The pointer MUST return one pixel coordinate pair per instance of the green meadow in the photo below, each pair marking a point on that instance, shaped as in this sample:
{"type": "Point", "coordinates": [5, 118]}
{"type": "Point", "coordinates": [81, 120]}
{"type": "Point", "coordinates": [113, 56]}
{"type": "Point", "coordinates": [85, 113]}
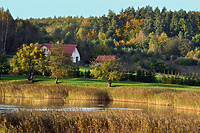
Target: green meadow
{"type": "Point", "coordinates": [94, 83]}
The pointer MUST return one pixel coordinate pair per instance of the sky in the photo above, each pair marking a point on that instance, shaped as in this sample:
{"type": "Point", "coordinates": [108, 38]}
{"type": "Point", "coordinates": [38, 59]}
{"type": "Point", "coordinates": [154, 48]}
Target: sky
{"type": "Point", "coordinates": [86, 8]}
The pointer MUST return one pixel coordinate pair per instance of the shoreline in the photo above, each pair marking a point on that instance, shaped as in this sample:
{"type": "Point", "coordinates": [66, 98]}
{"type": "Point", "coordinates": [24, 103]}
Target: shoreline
{"type": "Point", "coordinates": [152, 96]}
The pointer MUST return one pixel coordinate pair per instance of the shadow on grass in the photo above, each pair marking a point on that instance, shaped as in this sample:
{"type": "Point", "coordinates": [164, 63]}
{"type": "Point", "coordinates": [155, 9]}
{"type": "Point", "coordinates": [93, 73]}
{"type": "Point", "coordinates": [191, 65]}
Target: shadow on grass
{"type": "Point", "coordinates": [8, 77]}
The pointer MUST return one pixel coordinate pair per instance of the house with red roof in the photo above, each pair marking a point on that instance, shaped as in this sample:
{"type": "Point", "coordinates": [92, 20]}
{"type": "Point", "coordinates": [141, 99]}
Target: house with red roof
{"type": "Point", "coordinates": [71, 49]}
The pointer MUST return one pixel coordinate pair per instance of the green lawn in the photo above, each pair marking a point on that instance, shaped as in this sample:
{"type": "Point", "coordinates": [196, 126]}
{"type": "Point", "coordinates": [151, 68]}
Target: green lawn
{"type": "Point", "coordinates": [93, 83]}
{"type": "Point", "coordinates": [83, 69]}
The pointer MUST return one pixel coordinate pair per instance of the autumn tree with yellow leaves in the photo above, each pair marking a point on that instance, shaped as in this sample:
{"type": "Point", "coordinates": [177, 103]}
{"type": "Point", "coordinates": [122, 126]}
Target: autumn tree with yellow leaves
{"type": "Point", "coordinates": [28, 61]}
{"type": "Point", "coordinates": [107, 70]}
{"type": "Point", "coordinates": [60, 62]}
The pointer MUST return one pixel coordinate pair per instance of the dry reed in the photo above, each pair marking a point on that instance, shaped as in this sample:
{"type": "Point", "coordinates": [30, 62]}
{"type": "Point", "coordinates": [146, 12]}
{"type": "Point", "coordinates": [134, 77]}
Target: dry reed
{"type": "Point", "coordinates": [98, 121]}
{"type": "Point", "coordinates": [158, 96]}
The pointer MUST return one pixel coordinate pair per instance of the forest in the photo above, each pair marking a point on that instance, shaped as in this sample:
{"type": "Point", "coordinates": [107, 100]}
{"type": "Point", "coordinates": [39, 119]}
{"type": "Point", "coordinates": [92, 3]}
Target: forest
{"type": "Point", "coordinates": [146, 37]}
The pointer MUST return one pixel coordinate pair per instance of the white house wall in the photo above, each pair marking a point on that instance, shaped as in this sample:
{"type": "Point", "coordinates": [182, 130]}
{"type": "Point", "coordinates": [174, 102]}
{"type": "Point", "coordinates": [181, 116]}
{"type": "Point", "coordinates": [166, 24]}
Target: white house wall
{"type": "Point", "coordinates": [75, 54]}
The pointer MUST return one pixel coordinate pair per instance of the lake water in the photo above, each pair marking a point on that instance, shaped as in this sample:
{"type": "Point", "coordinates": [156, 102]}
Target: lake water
{"type": "Point", "coordinates": [85, 105]}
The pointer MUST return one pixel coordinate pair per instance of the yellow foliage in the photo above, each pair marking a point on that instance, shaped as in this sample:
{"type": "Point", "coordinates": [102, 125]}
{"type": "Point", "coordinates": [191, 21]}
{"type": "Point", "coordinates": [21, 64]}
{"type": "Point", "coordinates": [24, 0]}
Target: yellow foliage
{"type": "Point", "coordinates": [123, 42]}
{"type": "Point", "coordinates": [162, 38]}
{"type": "Point", "coordinates": [194, 54]}
{"type": "Point", "coordinates": [118, 32]}
{"type": "Point", "coordinates": [108, 70]}
{"type": "Point", "coordinates": [27, 61]}
{"type": "Point", "coordinates": [102, 36]}
{"type": "Point", "coordinates": [116, 44]}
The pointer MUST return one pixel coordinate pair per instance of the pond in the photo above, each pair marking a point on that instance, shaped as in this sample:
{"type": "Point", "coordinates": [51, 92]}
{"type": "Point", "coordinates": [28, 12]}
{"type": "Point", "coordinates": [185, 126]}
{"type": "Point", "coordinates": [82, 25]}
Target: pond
{"type": "Point", "coordinates": [12, 104]}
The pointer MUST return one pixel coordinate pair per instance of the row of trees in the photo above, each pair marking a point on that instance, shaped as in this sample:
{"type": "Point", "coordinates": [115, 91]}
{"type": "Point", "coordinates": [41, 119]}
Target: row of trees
{"type": "Point", "coordinates": [191, 80]}
{"type": "Point", "coordinates": [135, 36]}
{"type": "Point", "coordinates": [29, 60]}
{"type": "Point", "coordinates": [161, 31]}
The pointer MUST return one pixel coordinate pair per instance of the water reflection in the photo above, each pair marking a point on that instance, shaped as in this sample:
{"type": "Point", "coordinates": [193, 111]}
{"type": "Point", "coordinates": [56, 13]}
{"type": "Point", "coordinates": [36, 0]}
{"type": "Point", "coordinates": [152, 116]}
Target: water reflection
{"type": "Point", "coordinates": [9, 103]}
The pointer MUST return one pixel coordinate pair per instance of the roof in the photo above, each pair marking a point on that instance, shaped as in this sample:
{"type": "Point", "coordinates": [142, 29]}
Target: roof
{"type": "Point", "coordinates": [105, 58]}
{"type": "Point", "coordinates": [69, 48]}
{"type": "Point", "coordinates": [49, 46]}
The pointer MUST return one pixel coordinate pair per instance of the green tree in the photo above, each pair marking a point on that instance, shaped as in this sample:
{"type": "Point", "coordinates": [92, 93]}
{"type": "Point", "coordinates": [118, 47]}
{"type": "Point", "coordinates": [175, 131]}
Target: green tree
{"type": "Point", "coordinates": [60, 62]}
{"type": "Point", "coordinates": [101, 50]}
{"type": "Point", "coordinates": [4, 66]}
{"type": "Point", "coordinates": [148, 24]}
{"type": "Point", "coordinates": [108, 70]}
{"type": "Point", "coordinates": [28, 61]}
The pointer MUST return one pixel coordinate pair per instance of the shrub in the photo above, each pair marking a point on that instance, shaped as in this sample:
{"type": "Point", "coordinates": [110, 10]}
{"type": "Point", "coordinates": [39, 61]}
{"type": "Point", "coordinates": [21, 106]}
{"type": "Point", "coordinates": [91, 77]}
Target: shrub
{"type": "Point", "coordinates": [187, 61]}
{"type": "Point", "coordinates": [167, 58]}
{"type": "Point", "coordinates": [159, 66]}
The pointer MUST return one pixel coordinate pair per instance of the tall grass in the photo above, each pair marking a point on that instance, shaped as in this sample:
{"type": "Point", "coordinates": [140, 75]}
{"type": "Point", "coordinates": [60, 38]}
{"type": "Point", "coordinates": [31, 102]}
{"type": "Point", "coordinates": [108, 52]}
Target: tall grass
{"type": "Point", "coordinates": [108, 121]}
{"type": "Point", "coordinates": [157, 96]}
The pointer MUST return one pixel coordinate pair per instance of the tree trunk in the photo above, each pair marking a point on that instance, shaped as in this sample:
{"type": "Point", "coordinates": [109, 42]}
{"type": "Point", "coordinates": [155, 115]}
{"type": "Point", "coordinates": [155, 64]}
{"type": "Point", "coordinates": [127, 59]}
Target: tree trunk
{"type": "Point", "coordinates": [56, 80]}
{"type": "Point", "coordinates": [1, 47]}
{"type": "Point", "coordinates": [109, 84]}
{"type": "Point", "coordinates": [30, 79]}
{"type": "Point", "coordinates": [4, 47]}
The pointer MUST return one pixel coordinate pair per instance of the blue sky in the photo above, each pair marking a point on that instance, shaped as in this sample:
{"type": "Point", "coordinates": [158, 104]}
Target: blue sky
{"type": "Point", "coordinates": [50, 8]}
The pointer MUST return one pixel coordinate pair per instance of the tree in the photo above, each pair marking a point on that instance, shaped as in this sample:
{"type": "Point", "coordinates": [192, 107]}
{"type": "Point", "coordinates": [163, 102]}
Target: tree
{"type": "Point", "coordinates": [3, 63]}
{"type": "Point", "coordinates": [101, 50]}
{"type": "Point", "coordinates": [28, 61]}
{"type": "Point", "coordinates": [60, 62]}
{"type": "Point", "coordinates": [108, 70]}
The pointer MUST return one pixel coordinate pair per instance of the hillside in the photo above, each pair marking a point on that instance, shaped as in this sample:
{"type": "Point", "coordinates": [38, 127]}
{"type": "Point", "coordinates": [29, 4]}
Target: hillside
{"type": "Point", "coordinates": [133, 35]}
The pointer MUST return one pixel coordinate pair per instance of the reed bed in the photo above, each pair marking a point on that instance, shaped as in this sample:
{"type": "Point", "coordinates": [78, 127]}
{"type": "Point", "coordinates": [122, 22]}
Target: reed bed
{"type": "Point", "coordinates": [98, 121]}
{"type": "Point", "coordinates": [158, 96]}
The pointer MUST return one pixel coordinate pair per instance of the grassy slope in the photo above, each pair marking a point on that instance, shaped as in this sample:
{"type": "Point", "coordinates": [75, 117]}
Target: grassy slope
{"type": "Point", "coordinates": [83, 82]}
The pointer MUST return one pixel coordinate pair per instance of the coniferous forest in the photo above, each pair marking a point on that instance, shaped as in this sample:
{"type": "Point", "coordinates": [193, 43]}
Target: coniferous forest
{"type": "Point", "coordinates": [147, 37]}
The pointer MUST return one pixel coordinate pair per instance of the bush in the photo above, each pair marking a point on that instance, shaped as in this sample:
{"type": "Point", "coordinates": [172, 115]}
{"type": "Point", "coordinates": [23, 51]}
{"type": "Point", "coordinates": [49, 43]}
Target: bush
{"type": "Point", "coordinates": [167, 58]}
{"type": "Point", "coordinates": [75, 72]}
{"type": "Point", "coordinates": [187, 61]}
{"type": "Point", "coordinates": [159, 66]}
{"type": "Point", "coordinates": [87, 74]}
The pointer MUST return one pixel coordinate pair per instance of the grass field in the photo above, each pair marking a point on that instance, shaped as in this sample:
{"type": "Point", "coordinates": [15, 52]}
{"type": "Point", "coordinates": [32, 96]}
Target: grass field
{"type": "Point", "coordinates": [83, 69]}
{"type": "Point", "coordinates": [84, 82]}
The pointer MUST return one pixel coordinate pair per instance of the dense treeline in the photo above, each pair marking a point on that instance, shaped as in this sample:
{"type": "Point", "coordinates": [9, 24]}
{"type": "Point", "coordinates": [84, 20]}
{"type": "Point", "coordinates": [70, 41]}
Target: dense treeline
{"type": "Point", "coordinates": [132, 35]}
{"type": "Point", "coordinates": [14, 33]}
